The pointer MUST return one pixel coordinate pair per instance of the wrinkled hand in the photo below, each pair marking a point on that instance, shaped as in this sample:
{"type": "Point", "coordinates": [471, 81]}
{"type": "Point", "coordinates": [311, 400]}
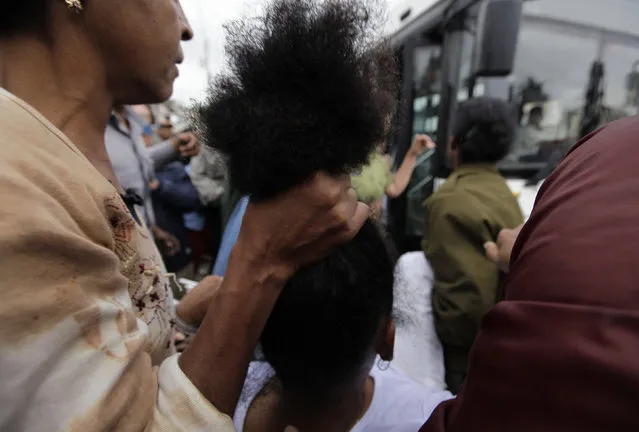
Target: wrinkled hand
{"type": "Point", "coordinates": [187, 144]}
{"type": "Point", "coordinates": [170, 242]}
{"type": "Point", "coordinates": [499, 252]}
{"type": "Point", "coordinates": [303, 225]}
{"type": "Point", "coordinates": [193, 306]}
{"type": "Point", "coordinates": [421, 143]}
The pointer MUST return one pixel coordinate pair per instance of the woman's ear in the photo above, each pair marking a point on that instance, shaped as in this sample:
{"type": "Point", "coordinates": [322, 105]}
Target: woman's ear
{"type": "Point", "coordinates": [386, 344]}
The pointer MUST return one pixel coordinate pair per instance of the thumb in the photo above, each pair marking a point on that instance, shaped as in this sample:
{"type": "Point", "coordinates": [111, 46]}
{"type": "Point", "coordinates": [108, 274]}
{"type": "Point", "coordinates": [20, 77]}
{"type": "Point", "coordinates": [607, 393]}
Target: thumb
{"type": "Point", "coordinates": [492, 251]}
{"type": "Point", "coordinates": [362, 213]}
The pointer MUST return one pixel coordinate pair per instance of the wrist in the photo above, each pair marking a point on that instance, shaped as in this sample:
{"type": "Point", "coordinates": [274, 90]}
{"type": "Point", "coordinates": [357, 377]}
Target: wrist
{"type": "Point", "coordinates": [264, 269]}
{"type": "Point", "coordinates": [175, 143]}
{"type": "Point", "coordinates": [183, 315]}
{"type": "Point", "coordinates": [183, 323]}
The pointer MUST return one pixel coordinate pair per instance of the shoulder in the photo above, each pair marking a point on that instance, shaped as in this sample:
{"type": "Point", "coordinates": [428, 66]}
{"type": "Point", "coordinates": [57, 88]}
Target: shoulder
{"type": "Point", "coordinates": [403, 400]}
{"type": "Point", "coordinates": [51, 195]}
{"type": "Point", "coordinates": [56, 240]}
{"type": "Point", "coordinates": [449, 201]}
{"type": "Point", "coordinates": [45, 181]}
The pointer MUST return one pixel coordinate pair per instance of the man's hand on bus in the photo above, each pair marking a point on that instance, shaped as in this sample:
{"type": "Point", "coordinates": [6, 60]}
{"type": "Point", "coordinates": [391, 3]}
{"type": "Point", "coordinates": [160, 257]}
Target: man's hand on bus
{"type": "Point", "coordinates": [421, 143]}
{"type": "Point", "coordinates": [499, 252]}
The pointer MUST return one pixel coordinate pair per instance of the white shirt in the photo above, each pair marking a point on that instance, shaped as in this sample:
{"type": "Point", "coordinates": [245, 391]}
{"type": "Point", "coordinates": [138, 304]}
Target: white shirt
{"type": "Point", "coordinates": [418, 350]}
{"type": "Point", "coordinates": [399, 403]}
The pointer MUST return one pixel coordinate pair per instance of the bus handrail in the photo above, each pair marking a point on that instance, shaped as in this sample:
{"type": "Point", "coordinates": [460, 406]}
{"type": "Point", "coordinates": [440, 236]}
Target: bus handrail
{"type": "Point", "coordinates": [412, 193]}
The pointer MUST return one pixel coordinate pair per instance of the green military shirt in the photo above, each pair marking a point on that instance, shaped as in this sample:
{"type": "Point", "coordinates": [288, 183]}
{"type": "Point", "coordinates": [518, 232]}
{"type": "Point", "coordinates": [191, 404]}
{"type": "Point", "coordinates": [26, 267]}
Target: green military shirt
{"type": "Point", "coordinates": [469, 209]}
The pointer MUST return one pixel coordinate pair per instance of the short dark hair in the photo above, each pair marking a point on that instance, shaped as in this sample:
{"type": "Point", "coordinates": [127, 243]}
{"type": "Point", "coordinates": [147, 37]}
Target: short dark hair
{"type": "Point", "coordinates": [324, 326]}
{"type": "Point", "coordinates": [301, 96]}
{"type": "Point", "coordinates": [24, 16]}
{"type": "Point", "coordinates": [483, 130]}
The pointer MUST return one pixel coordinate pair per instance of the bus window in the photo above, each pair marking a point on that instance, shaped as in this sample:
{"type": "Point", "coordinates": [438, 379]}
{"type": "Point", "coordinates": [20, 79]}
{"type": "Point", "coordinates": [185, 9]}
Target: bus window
{"type": "Point", "coordinates": [621, 60]}
{"type": "Point", "coordinates": [550, 78]}
{"type": "Point", "coordinates": [466, 60]}
{"type": "Point", "coordinates": [426, 89]}
{"type": "Point", "coordinates": [426, 98]}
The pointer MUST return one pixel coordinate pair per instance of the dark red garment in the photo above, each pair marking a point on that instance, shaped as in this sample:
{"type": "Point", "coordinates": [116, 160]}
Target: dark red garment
{"type": "Point", "coordinates": [561, 352]}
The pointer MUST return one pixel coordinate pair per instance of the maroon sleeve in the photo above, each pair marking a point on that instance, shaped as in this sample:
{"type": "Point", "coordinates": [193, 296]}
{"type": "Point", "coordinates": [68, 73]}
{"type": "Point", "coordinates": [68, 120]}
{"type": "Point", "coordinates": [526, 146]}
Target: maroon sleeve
{"type": "Point", "coordinates": [561, 353]}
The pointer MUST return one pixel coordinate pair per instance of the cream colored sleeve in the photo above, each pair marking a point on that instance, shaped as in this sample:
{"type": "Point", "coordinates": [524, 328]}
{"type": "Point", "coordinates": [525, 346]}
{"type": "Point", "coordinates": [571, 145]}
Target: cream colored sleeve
{"type": "Point", "coordinates": [72, 352]}
{"type": "Point", "coordinates": [181, 407]}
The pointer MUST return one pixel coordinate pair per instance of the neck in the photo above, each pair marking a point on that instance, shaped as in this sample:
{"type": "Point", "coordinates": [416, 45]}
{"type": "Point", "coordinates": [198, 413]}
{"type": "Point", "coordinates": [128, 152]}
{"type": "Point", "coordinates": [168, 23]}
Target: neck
{"type": "Point", "coordinates": [340, 411]}
{"type": "Point", "coordinates": [477, 165]}
{"type": "Point", "coordinates": [62, 83]}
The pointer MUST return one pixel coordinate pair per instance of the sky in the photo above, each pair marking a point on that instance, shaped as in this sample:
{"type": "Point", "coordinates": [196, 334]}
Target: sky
{"type": "Point", "coordinates": [207, 18]}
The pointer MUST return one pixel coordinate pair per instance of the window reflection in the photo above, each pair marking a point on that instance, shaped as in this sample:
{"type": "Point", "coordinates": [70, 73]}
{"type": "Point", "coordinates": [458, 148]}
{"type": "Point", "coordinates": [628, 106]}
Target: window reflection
{"type": "Point", "coordinates": [621, 62]}
{"type": "Point", "coordinates": [427, 89]}
{"type": "Point", "coordinates": [550, 79]}
{"type": "Point", "coordinates": [549, 83]}
{"type": "Point", "coordinates": [427, 64]}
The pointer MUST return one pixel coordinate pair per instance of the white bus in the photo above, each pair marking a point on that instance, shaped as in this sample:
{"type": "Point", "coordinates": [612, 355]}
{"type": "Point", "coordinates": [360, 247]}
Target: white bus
{"type": "Point", "coordinates": [576, 60]}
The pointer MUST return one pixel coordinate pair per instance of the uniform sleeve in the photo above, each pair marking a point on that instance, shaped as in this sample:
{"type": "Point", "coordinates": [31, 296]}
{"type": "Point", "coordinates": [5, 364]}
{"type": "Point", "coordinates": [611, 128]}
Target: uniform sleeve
{"type": "Point", "coordinates": [465, 280]}
{"type": "Point", "coordinates": [72, 356]}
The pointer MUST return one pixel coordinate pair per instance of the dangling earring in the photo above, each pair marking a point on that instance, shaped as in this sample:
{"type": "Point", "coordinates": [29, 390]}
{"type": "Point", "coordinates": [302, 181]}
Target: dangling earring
{"type": "Point", "coordinates": [74, 5]}
{"type": "Point", "coordinates": [383, 365]}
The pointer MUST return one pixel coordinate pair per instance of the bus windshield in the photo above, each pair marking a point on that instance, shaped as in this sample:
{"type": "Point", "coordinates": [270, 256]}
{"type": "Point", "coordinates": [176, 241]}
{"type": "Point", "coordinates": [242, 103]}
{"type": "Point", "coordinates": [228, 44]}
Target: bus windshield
{"type": "Point", "coordinates": [556, 65]}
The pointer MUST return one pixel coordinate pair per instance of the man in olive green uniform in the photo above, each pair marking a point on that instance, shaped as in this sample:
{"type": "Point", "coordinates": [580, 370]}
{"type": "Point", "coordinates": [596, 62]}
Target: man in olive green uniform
{"type": "Point", "coordinates": [468, 210]}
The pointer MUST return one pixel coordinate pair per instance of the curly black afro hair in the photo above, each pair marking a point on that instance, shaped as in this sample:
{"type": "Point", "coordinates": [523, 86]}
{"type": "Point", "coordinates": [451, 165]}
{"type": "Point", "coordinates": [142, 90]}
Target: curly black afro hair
{"type": "Point", "coordinates": [307, 90]}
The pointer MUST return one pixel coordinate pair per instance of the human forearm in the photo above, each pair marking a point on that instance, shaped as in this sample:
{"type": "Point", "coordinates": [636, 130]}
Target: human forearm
{"type": "Point", "coordinates": [402, 176]}
{"type": "Point", "coordinates": [162, 154]}
{"type": "Point", "coordinates": [262, 261]}
{"type": "Point", "coordinates": [217, 359]}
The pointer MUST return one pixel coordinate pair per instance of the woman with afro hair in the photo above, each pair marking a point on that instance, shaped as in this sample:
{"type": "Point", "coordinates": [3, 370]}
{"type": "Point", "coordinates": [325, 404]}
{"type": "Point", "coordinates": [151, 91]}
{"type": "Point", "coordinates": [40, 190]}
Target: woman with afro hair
{"type": "Point", "coordinates": [86, 313]}
{"type": "Point", "coordinates": [304, 92]}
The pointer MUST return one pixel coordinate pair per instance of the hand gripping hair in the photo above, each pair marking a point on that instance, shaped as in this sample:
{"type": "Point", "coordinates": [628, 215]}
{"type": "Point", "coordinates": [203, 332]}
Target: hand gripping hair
{"type": "Point", "coordinates": [307, 90]}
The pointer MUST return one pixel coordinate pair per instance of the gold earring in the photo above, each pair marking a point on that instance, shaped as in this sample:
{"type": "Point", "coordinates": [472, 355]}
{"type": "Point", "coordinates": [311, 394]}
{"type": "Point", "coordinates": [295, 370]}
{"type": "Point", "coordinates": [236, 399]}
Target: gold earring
{"type": "Point", "coordinates": [74, 5]}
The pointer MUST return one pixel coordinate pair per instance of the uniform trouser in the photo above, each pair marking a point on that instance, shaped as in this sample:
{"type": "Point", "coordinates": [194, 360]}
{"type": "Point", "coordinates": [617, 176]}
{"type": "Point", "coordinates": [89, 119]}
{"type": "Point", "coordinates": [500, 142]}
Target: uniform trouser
{"type": "Point", "coordinates": [454, 381]}
{"type": "Point", "coordinates": [456, 360]}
